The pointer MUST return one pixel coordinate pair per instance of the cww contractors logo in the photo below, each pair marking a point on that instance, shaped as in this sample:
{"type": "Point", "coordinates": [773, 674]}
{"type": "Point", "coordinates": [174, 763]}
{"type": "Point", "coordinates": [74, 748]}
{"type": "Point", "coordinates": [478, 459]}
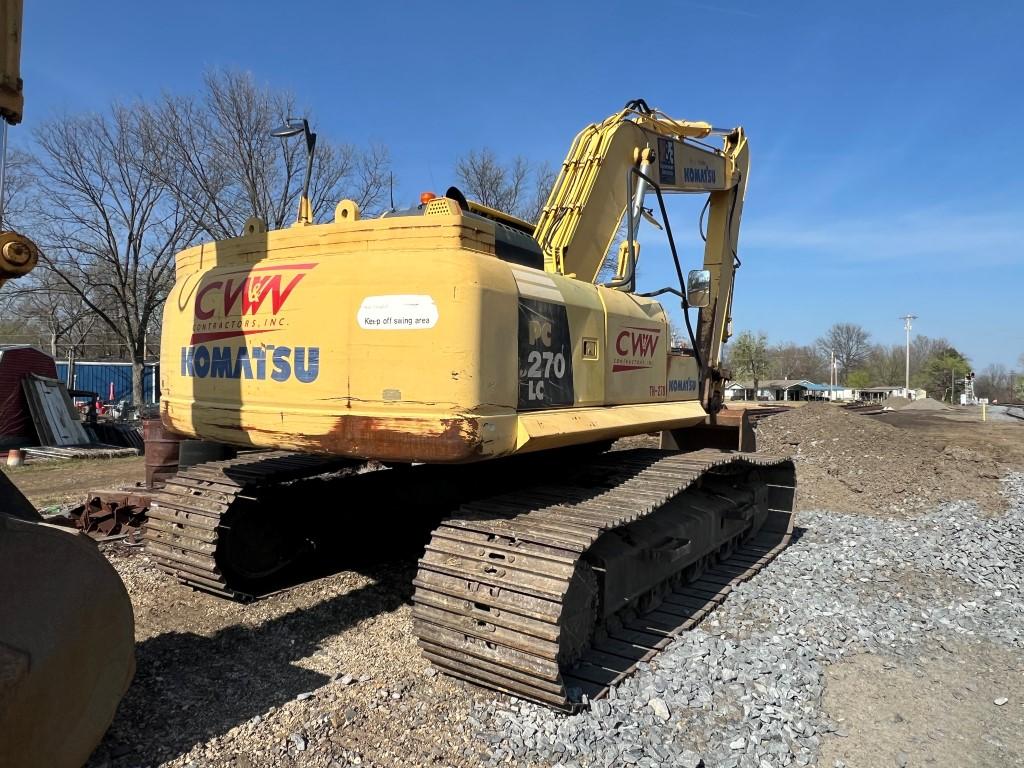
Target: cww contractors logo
{"type": "Point", "coordinates": [634, 348]}
{"type": "Point", "coordinates": [240, 304]}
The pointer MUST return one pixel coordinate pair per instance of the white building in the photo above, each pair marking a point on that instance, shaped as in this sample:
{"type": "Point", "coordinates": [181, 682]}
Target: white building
{"type": "Point", "coordinates": [883, 393]}
{"type": "Point", "coordinates": [786, 390]}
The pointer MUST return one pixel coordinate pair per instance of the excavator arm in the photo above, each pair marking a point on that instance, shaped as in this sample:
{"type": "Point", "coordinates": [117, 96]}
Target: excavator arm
{"type": "Point", "coordinates": [18, 254]}
{"type": "Point", "coordinates": [609, 170]}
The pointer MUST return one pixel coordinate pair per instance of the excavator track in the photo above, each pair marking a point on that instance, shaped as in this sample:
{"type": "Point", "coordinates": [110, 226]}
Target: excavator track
{"type": "Point", "coordinates": [555, 593]}
{"type": "Point", "coordinates": [213, 528]}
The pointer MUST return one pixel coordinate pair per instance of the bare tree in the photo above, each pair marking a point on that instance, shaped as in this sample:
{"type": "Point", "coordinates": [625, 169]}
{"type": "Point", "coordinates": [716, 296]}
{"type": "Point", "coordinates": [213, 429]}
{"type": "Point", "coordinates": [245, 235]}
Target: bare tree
{"type": "Point", "coordinates": [886, 365]}
{"type": "Point", "coordinates": [218, 157]}
{"type": "Point", "coordinates": [793, 361]}
{"type": "Point", "coordinates": [544, 175]}
{"type": "Point", "coordinates": [849, 342]}
{"type": "Point", "coordinates": [50, 302]}
{"type": "Point", "coordinates": [519, 188]}
{"type": "Point", "coordinates": [111, 229]}
{"type": "Point", "coordinates": [18, 183]}
{"type": "Point", "coordinates": [995, 383]}
{"type": "Point", "coordinates": [16, 326]}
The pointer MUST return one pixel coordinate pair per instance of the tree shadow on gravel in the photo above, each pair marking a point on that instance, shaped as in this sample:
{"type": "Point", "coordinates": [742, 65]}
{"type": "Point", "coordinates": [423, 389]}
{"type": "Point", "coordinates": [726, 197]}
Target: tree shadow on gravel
{"type": "Point", "coordinates": [189, 688]}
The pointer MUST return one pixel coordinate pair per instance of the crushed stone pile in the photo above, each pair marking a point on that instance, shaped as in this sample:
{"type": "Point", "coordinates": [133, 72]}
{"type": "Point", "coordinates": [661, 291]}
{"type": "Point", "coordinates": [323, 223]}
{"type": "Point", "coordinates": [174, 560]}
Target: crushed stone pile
{"type": "Point", "coordinates": [925, 404]}
{"type": "Point", "coordinates": [852, 463]}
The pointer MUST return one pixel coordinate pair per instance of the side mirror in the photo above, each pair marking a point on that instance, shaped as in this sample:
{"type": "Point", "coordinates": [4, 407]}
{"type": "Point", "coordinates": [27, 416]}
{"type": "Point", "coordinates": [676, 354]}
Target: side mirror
{"type": "Point", "coordinates": [698, 288]}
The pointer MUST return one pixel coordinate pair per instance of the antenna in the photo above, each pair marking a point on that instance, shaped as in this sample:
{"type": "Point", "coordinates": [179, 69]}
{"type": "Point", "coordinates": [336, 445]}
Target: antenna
{"type": "Point", "coordinates": [906, 326]}
{"type": "Point", "coordinates": [391, 187]}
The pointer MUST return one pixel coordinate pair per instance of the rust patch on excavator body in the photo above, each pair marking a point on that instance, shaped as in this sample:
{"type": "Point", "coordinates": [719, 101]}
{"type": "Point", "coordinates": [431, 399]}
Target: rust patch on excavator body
{"type": "Point", "coordinates": [405, 439]}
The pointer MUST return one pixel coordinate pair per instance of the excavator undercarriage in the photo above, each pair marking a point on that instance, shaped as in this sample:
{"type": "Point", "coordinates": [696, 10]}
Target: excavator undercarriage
{"type": "Point", "coordinates": [558, 591]}
{"type": "Point", "coordinates": [550, 591]}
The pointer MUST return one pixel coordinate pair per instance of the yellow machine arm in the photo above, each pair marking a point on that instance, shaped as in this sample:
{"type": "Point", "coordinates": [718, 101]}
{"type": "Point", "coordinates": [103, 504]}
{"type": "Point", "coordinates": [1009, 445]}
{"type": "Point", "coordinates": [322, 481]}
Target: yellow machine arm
{"type": "Point", "coordinates": [18, 254]}
{"type": "Point", "coordinates": [608, 171]}
{"type": "Point", "coordinates": [11, 99]}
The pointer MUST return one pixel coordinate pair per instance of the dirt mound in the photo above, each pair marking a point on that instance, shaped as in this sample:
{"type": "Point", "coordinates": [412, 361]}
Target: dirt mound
{"type": "Point", "coordinates": [852, 463]}
{"type": "Point", "coordinates": [927, 404]}
{"type": "Point", "coordinates": [896, 403]}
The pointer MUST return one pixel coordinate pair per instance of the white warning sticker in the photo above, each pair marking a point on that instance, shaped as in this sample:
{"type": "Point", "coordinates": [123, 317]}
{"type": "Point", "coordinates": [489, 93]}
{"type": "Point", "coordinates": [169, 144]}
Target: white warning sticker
{"type": "Point", "coordinates": [397, 312]}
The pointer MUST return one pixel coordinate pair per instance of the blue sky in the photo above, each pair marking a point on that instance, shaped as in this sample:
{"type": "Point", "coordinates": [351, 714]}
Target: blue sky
{"type": "Point", "coordinates": [886, 165]}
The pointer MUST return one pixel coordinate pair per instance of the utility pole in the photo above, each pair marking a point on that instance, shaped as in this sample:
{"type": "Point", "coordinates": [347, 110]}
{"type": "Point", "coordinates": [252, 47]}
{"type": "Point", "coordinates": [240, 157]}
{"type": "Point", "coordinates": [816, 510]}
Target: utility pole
{"type": "Point", "coordinates": [835, 370]}
{"type": "Point", "coordinates": [831, 391]}
{"type": "Point", "coordinates": [906, 326]}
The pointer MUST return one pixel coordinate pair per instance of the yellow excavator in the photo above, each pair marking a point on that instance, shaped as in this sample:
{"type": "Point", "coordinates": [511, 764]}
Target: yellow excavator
{"type": "Point", "coordinates": [67, 630]}
{"type": "Point", "coordinates": [463, 353]}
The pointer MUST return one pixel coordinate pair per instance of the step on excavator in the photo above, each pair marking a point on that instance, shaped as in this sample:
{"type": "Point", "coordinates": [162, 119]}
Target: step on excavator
{"type": "Point", "coordinates": [67, 630]}
{"type": "Point", "coordinates": [455, 350]}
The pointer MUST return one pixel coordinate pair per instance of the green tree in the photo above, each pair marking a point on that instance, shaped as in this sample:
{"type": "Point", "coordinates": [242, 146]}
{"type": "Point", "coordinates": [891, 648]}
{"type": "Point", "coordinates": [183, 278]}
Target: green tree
{"type": "Point", "coordinates": [940, 370]}
{"type": "Point", "coordinates": [749, 356]}
{"type": "Point", "coordinates": [858, 379]}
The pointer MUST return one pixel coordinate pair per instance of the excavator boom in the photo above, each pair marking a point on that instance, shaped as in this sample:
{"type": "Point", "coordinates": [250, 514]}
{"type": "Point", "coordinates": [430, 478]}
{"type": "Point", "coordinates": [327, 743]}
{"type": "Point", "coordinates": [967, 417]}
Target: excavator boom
{"type": "Point", "coordinates": [610, 168]}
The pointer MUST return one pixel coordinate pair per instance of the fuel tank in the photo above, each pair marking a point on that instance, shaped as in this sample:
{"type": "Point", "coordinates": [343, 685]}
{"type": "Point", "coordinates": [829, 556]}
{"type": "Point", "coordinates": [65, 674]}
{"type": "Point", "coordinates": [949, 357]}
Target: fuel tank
{"type": "Point", "coordinates": [409, 338]}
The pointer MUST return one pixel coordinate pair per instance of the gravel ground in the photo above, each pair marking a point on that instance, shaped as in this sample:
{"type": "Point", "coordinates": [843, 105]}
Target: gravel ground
{"type": "Point", "coordinates": [746, 687]}
{"type": "Point", "coordinates": [327, 674]}
{"type": "Point", "coordinates": [880, 637]}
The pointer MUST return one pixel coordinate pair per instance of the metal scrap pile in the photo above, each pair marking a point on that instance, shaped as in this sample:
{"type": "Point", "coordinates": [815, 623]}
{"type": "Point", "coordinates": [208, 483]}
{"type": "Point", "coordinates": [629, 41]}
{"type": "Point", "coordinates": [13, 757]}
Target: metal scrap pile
{"type": "Point", "coordinates": [111, 513]}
